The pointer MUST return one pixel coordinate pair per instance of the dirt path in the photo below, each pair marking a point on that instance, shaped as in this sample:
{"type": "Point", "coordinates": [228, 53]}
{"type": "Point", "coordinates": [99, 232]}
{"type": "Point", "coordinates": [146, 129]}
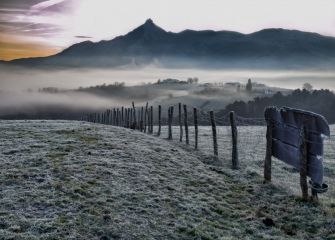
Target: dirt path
{"type": "Point", "coordinates": [70, 180]}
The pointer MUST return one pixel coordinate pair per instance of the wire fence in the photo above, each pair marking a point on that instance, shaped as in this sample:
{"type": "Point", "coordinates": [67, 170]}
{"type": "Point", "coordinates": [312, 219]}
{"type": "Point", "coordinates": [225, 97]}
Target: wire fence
{"type": "Point", "coordinates": [194, 128]}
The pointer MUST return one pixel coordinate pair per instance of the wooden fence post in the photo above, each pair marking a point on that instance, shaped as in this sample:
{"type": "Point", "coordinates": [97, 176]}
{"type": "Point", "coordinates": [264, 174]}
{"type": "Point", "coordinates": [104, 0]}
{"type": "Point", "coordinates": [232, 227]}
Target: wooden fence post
{"type": "Point", "coordinates": [118, 117]}
{"type": "Point", "coordinates": [134, 112]}
{"type": "Point", "coordinates": [142, 116]}
{"type": "Point", "coordinates": [169, 123]}
{"type": "Point", "coordinates": [125, 118]}
{"type": "Point", "coordinates": [138, 119]}
{"type": "Point", "coordinates": [180, 124]}
{"type": "Point", "coordinates": [128, 118]}
{"type": "Point", "coordinates": [186, 125]}
{"type": "Point", "coordinates": [103, 117]}
{"type": "Point", "coordinates": [146, 118]}
{"type": "Point", "coordinates": [122, 117]}
{"type": "Point", "coordinates": [215, 140]}
{"type": "Point", "coordinates": [131, 118]}
{"type": "Point", "coordinates": [151, 119]}
{"type": "Point", "coordinates": [235, 162]}
{"type": "Point", "coordinates": [149, 124]}
{"type": "Point", "coordinates": [195, 118]}
{"type": "Point", "coordinates": [303, 163]}
{"type": "Point", "coordinates": [268, 155]}
{"type": "Point", "coordinates": [159, 120]}
{"type": "Point", "coordinates": [114, 117]}
{"type": "Point", "coordinates": [107, 116]}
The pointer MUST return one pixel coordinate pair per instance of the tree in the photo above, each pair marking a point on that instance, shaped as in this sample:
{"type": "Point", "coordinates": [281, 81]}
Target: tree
{"type": "Point", "coordinates": [193, 80]}
{"type": "Point", "coordinates": [248, 87]}
{"type": "Point", "coordinates": [307, 86]}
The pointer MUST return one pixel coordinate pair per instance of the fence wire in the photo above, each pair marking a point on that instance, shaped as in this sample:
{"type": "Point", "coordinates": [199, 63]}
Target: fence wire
{"type": "Point", "coordinates": [251, 145]}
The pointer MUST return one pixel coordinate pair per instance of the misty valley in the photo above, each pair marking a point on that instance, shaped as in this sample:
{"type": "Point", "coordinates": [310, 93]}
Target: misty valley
{"type": "Point", "coordinates": [67, 94]}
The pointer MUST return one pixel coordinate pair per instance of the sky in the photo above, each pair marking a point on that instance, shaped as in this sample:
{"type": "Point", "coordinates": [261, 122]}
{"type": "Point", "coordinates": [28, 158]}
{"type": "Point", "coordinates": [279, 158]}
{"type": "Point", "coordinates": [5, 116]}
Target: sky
{"type": "Point", "coordinates": [32, 28]}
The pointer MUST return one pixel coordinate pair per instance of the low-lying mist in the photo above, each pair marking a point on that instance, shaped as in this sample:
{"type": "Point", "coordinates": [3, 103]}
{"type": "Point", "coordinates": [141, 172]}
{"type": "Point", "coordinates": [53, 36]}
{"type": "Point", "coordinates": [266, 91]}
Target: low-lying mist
{"type": "Point", "coordinates": [20, 88]}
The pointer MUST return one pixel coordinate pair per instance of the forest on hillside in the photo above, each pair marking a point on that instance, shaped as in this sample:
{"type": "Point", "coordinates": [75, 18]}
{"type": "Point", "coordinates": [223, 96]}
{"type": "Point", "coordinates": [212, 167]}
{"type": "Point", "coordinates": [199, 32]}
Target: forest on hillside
{"type": "Point", "coordinates": [318, 101]}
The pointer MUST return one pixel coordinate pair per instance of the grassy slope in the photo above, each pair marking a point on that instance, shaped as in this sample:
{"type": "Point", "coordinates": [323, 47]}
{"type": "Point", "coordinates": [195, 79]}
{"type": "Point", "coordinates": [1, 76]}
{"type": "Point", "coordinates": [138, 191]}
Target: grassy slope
{"type": "Point", "coordinates": [68, 180]}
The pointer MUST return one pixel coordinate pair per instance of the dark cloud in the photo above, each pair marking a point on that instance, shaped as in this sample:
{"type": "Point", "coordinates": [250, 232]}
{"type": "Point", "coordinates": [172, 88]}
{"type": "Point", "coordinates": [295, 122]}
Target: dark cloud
{"type": "Point", "coordinates": [82, 37]}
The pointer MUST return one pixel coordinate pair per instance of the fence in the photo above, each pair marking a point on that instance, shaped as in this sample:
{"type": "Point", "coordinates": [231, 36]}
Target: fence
{"type": "Point", "coordinates": [231, 140]}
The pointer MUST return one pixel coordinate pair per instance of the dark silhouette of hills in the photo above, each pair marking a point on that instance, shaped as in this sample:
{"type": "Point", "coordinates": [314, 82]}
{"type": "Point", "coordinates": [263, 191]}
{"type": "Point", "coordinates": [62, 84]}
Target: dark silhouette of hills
{"type": "Point", "coordinates": [150, 44]}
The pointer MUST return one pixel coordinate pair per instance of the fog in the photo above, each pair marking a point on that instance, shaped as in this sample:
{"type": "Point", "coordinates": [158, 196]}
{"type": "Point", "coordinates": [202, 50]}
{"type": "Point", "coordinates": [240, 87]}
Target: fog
{"type": "Point", "coordinates": [22, 78]}
{"type": "Point", "coordinates": [19, 86]}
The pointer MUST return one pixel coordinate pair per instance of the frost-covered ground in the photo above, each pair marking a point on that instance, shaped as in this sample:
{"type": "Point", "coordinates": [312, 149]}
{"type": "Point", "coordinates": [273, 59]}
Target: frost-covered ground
{"type": "Point", "coordinates": [73, 180]}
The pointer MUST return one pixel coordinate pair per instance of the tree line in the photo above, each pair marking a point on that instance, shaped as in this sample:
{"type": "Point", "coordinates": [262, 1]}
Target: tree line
{"type": "Point", "coordinates": [318, 101]}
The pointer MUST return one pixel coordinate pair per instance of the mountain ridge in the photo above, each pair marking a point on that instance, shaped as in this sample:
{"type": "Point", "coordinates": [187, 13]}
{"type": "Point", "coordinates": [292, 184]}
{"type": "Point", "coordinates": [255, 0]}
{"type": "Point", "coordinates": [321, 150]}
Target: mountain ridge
{"type": "Point", "coordinates": [150, 43]}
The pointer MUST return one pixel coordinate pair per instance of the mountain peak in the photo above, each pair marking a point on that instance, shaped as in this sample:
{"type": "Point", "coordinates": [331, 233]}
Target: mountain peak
{"type": "Point", "coordinates": [149, 22]}
{"type": "Point", "coordinates": [149, 31]}
{"type": "Point", "coordinates": [150, 26]}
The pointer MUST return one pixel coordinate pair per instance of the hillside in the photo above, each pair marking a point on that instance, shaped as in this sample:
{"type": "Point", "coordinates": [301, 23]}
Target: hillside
{"type": "Point", "coordinates": [150, 44]}
{"type": "Point", "coordinates": [72, 180]}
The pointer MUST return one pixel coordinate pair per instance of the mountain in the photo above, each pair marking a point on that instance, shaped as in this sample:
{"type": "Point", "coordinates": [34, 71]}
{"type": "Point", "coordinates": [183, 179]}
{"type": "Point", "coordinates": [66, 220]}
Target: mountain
{"type": "Point", "coordinates": [150, 44]}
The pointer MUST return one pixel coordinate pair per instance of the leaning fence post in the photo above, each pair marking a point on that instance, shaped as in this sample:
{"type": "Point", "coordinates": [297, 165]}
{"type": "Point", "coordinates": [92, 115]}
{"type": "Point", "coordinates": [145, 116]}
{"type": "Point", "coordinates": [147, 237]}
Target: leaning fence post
{"type": "Point", "coordinates": [195, 116]}
{"type": "Point", "coordinates": [180, 124]}
{"type": "Point", "coordinates": [159, 120]}
{"type": "Point", "coordinates": [235, 162]}
{"type": "Point", "coordinates": [215, 141]}
{"type": "Point", "coordinates": [268, 155]}
{"type": "Point", "coordinates": [303, 163]}
{"type": "Point", "coordinates": [186, 125]}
